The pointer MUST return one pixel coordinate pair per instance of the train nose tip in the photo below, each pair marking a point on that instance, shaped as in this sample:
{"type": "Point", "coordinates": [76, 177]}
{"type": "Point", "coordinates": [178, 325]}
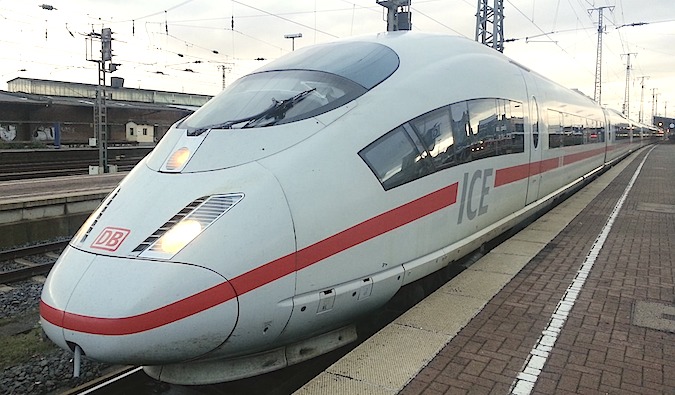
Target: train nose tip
{"type": "Point", "coordinates": [100, 304]}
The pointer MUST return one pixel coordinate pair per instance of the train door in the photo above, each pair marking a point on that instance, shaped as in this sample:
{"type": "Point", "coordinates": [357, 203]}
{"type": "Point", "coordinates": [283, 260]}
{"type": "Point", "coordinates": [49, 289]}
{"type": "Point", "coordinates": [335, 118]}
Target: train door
{"type": "Point", "coordinates": [534, 178]}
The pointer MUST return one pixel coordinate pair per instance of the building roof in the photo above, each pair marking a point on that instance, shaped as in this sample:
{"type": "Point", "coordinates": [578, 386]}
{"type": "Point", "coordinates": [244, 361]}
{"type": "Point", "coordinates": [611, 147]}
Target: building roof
{"type": "Point", "coordinates": [26, 98]}
{"type": "Point", "coordinates": [8, 97]}
{"type": "Point", "coordinates": [63, 89]}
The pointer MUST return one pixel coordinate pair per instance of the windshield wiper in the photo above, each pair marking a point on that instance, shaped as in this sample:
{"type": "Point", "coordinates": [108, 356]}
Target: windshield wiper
{"type": "Point", "coordinates": [278, 110]}
{"type": "Point", "coordinates": [273, 114]}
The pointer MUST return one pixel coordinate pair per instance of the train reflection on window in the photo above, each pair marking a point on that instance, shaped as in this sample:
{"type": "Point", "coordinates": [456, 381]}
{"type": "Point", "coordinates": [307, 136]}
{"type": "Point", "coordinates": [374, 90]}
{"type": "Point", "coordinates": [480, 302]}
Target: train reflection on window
{"type": "Point", "coordinates": [395, 159]}
{"type": "Point", "coordinates": [446, 137]}
{"type": "Point", "coordinates": [567, 129]}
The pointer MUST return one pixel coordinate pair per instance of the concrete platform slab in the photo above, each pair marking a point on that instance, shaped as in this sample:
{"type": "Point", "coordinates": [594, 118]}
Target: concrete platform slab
{"type": "Point", "coordinates": [388, 362]}
{"type": "Point", "coordinates": [457, 309]}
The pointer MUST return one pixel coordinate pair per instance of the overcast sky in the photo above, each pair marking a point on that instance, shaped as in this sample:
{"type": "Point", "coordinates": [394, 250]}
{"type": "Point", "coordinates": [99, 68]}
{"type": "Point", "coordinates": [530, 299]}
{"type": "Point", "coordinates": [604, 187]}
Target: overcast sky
{"type": "Point", "coordinates": [183, 45]}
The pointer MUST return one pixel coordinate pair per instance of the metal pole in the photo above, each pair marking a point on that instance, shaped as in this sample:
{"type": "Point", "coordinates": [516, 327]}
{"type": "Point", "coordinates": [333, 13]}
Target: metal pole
{"type": "Point", "coordinates": [76, 361]}
{"type": "Point", "coordinates": [642, 98]}
{"type": "Point", "coordinates": [626, 98]}
{"type": "Point", "coordinates": [293, 37]}
{"type": "Point", "coordinates": [597, 92]}
{"type": "Point", "coordinates": [486, 15]}
{"type": "Point", "coordinates": [396, 9]}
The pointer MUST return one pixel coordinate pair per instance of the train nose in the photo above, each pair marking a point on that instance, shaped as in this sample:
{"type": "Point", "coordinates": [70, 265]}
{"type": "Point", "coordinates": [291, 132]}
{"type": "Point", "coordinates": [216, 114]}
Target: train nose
{"type": "Point", "coordinates": [121, 310]}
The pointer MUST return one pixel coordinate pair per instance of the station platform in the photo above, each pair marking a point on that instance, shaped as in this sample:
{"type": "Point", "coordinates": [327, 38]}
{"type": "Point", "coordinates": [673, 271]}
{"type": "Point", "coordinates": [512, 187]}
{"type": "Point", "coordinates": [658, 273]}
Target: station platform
{"type": "Point", "coordinates": [579, 302]}
{"type": "Point", "coordinates": [49, 208]}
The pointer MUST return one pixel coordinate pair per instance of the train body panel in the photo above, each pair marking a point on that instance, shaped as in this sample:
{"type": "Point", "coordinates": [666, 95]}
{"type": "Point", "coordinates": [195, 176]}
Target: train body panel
{"type": "Point", "coordinates": [126, 229]}
{"type": "Point", "coordinates": [111, 321]}
{"type": "Point", "coordinates": [308, 193]}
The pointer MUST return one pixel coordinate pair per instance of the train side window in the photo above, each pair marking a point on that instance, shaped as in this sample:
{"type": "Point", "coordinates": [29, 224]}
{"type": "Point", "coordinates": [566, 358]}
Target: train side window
{"type": "Point", "coordinates": [395, 160]}
{"type": "Point", "coordinates": [572, 129]}
{"type": "Point", "coordinates": [555, 132]}
{"type": "Point", "coordinates": [589, 131]}
{"type": "Point", "coordinates": [594, 131]}
{"type": "Point", "coordinates": [435, 132]}
{"type": "Point", "coordinates": [487, 127]}
{"type": "Point", "coordinates": [459, 113]}
{"type": "Point", "coordinates": [516, 129]}
{"type": "Point", "coordinates": [483, 126]}
{"type": "Point", "coordinates": [623, 131]}
{"type": "Point", "coordinates": [600, 131]}
{"type": "Point", "coordinates": [579, 130]}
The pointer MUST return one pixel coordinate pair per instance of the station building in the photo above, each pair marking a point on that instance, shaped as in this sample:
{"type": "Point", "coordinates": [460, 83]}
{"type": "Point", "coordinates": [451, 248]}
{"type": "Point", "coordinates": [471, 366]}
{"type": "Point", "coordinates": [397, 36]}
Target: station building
{"type": "Point", "coordinates": [34, 110]}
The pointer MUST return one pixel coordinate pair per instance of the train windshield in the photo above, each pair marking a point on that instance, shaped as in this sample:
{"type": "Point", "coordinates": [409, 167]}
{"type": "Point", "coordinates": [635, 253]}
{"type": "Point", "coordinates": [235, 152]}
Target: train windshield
{"type": "Point", "coordinates": [301, 85]}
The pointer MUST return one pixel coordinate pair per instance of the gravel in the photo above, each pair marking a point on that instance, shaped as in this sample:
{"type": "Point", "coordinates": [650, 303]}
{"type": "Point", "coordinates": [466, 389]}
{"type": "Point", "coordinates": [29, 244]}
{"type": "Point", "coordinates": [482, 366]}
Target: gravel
{"type": "Point", "coordinates": [49, 372]}
{"type": "Point", "coordinates": [7, 266]}
{"type": "Point", "coordinates": [23, 296]}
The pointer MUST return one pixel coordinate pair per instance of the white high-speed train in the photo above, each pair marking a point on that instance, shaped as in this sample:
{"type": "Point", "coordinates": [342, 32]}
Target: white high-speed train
{"type": "Point", "coordinates": [308, 193]}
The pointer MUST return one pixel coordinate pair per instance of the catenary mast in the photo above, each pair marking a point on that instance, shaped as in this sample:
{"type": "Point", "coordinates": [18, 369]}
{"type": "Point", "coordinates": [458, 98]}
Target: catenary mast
{"type": "Point", "coordinates": [490, 24]}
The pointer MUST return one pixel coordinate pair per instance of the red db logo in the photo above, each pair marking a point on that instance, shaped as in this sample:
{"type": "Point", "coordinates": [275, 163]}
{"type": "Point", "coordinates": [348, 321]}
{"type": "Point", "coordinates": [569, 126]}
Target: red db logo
{"type": "Point", "coordinates": [110, 238]}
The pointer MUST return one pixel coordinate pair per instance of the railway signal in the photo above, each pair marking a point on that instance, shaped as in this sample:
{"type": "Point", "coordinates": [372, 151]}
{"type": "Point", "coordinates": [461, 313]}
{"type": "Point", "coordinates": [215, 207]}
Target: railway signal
{"type": "Point", "coordinates": [105, 65]}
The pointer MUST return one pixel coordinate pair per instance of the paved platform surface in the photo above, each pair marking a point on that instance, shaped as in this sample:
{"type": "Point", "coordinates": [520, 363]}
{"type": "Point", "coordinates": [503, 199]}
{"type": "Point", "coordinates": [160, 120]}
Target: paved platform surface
{"type": "Point", "coordinates": [50, 187]}
{"type": "Point", "coordinates": [580, 302]}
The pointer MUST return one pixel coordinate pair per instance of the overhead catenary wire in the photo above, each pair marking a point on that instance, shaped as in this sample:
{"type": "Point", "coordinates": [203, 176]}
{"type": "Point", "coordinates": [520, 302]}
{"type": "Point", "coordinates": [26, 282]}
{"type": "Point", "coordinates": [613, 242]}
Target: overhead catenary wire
{"type": "Point", "coordinates": [538, 28]}
{"type": "Point", "coordinates": [182, 19]}
{"type": "Point", "coordinates": [285, 19]}
{"type": "Point", "coordinates": [417, 11]}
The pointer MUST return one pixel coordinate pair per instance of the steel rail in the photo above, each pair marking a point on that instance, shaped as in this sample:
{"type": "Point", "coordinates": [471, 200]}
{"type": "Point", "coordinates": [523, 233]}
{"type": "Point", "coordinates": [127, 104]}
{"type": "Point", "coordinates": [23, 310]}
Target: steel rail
{"type": "Point", "coordinates": [28, 271]}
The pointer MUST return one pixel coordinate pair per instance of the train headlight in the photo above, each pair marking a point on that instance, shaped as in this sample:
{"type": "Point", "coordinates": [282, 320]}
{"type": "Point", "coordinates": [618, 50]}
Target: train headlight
{"type": "Point", "coordinates": [186, 225]}
{"type": "Point", "coordinates": [178, 159]}
{"type": "Point", "coordinates": [179, 236]}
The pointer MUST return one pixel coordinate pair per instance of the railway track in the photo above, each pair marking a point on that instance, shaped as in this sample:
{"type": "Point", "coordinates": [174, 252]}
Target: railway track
{"type": "Point", "coordinates": [22, 268]}
{"type": "Point", "coordinates": [73, 169]}
{"type": "Point", "coordinates": [25, 164]}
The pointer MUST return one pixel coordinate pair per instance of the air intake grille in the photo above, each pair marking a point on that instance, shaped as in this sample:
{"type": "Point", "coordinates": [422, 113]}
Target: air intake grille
{"type": "Point", "coordinates": [81, 236]}
{"type": "Point", "coordinates": [204, 210]}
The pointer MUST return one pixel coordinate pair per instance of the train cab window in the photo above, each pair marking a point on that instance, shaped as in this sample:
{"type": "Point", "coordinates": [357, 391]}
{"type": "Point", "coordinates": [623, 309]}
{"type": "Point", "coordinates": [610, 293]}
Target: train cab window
{"type": "Point", "coordinates": [306, 83]}
{"type": "Point", "coordinates": [273, 98]}
{"type": "Point", "coordinates": [395, 159]}
{"type": "Point", "coordinates": [365, 63]}
{"type": "Point", "coordinates": [435, 131]}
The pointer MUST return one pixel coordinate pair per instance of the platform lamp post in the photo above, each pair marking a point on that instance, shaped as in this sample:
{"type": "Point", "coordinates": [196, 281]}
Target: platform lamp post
{"type": "Point", "coordinates": [293, 36]}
